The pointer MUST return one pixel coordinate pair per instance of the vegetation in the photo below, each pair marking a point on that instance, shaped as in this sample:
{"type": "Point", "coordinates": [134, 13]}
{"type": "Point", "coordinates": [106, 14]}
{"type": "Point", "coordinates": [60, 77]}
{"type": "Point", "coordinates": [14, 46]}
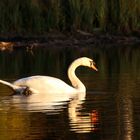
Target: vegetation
{"type": "Point", "coordinates": [41, 16]}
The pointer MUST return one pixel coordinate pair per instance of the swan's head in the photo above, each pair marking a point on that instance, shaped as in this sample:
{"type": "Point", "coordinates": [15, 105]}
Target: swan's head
{"type": "Point", "coordinates": [88, 63]}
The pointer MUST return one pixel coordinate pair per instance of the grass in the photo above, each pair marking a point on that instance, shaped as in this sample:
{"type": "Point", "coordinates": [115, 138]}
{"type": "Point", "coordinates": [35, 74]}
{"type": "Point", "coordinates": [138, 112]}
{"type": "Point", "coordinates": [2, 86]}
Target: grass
{"type": "Point", "coordinates": [41, 16]}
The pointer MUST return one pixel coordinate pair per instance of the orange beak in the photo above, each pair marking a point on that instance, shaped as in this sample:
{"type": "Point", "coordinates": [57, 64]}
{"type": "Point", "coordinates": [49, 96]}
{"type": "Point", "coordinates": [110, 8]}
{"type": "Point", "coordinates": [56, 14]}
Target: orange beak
{"type": "Point", "coordinates": [93, 67]}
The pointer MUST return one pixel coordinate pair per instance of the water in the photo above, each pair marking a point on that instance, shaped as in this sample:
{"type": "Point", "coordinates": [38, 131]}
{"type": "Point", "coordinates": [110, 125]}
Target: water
{"type": "Point", "coordinates": [110, 110]}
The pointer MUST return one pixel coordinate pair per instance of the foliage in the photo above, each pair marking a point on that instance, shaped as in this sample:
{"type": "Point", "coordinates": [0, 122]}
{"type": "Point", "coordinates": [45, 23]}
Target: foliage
{"type": "Point", "coordinates": [41, 16]}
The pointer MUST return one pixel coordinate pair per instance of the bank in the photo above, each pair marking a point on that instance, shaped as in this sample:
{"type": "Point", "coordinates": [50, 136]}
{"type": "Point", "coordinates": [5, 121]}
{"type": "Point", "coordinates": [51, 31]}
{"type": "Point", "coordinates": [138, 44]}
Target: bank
{"type": "Point", "coordinates": [67, 39]}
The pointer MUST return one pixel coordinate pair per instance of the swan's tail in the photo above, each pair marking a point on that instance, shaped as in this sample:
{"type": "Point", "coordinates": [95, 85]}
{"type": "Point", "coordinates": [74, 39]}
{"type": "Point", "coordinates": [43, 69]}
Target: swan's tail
{"type": "Point", "coordinates": [11, 86]}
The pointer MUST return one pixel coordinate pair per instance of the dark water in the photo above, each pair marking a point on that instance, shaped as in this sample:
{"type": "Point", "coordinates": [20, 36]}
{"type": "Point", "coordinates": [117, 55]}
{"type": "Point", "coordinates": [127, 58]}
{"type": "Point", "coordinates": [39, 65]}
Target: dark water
{"type": "Point", "coordinates": [110, 110]}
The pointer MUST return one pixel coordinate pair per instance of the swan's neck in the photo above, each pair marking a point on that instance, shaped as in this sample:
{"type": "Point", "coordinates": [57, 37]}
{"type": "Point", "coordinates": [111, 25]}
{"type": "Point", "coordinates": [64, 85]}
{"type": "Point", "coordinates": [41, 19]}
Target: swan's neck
{"type": "Point", "coordinates": [77, 84]}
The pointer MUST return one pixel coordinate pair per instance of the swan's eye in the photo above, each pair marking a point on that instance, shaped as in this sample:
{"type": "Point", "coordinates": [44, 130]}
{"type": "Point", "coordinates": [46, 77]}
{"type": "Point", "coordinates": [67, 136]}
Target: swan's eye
{"type": "Point", "coordinates": [91, 63]}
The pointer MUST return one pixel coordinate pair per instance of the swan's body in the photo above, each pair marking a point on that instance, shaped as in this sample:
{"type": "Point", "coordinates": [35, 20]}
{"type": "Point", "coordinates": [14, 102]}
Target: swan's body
{"type": "Point", "coordinates": [46, 84]}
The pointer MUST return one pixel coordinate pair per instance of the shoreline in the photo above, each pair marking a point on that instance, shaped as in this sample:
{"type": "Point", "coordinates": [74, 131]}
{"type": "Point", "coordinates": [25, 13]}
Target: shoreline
{"type": "Point", "coordinates": [57, 39]}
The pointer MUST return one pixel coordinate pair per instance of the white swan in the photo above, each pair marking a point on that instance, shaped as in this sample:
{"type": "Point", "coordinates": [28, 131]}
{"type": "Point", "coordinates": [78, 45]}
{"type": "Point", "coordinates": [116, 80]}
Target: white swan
{"type": "Point", "coordinates": [42, 84]}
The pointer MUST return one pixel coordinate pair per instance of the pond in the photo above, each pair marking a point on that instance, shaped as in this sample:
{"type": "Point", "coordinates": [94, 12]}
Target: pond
{"type": "Point", "coordinates": [110, 110]}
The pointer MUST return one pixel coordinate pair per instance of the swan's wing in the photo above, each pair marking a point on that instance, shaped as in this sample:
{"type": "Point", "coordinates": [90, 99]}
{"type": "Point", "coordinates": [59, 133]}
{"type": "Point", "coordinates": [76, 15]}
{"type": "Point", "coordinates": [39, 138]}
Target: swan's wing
{"type": "Point", "coordinates": [9, 85]}
{"type": "Point", "coordinates": [17, 89]}
{"type": "Point", "coordinates": [44, 84]}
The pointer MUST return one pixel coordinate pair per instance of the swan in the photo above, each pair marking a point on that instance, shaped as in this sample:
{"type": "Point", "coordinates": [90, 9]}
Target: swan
{"type": "Point", "coordinates": [47, 84]}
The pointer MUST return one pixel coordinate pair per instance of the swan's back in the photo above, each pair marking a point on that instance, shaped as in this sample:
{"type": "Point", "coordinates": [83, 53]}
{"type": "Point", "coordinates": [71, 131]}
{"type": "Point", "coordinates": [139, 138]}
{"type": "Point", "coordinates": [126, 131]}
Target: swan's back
{"type": "Point", "coordinates": [44, 83]}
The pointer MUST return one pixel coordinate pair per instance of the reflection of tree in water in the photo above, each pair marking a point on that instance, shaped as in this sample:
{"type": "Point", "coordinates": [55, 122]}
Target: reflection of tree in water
{"type": "Point", "coordinates": [54, 60]}
{"type": "Point", "coordinates": [126, 117]}
{"type": "Point", "coordinates": [125, 107]}
{"type": "Point", "coordinates": [14, 126]}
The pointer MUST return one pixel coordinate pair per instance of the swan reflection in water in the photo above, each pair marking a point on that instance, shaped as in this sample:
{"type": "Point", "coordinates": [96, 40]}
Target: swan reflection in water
{"type": "Point", "coordinates": [82, 122]}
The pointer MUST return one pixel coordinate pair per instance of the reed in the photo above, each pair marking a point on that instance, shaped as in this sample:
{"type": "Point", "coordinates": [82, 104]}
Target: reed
{"type": "Point", "coordinates": [40, 16]}
{"type": "Point", "coordinates": [129, 15]}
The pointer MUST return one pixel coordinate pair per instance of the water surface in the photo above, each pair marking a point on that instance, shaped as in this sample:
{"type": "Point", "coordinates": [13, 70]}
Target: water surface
{"type": "Point", "coordinates": [110, 110]}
